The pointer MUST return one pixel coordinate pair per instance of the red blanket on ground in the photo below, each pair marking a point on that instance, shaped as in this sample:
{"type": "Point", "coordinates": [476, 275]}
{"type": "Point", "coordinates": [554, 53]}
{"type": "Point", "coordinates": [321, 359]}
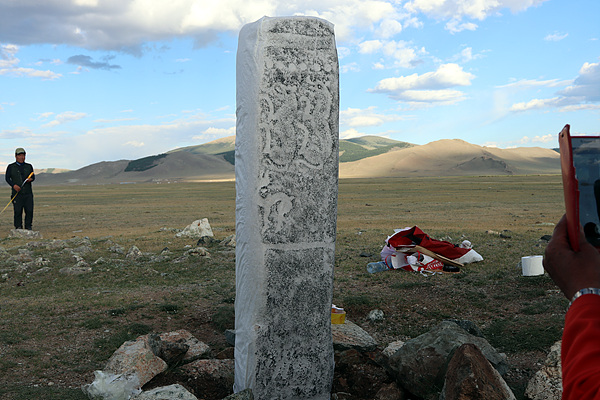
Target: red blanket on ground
{"type": "Point", "coordinates": [415, 236]}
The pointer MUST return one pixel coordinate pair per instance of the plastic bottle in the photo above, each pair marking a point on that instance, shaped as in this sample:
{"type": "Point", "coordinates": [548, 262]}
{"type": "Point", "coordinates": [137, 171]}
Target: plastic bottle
{"type": "Point", "coordinates": [377, 267]}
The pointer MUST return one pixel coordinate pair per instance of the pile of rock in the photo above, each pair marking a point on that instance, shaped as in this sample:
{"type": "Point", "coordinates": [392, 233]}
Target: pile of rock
{"type": "Point", "coordinates": [450, 362]}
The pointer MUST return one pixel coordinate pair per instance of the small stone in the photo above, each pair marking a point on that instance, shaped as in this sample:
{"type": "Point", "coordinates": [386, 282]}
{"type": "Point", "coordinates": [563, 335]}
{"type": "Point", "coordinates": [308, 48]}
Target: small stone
{"type": "Point", "coordinates": [375, 315]}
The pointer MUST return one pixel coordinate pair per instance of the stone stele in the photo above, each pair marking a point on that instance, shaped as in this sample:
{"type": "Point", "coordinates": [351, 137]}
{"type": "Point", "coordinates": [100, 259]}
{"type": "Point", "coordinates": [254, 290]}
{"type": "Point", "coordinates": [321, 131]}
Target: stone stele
{"type": "Point", "coordinates": [286, 165]}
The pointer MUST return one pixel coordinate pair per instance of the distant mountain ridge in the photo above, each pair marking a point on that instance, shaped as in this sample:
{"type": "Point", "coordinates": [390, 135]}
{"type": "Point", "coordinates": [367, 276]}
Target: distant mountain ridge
{"type": "Point", "coordinates": [363, 157]}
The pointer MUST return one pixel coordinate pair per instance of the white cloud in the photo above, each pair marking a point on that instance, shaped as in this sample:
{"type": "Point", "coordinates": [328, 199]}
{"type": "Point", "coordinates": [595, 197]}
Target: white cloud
{"type": "Point", "coordinates": [527, 83]}
{"type": "Point", "coordinates": [64, 117]}
{"type": "Point", "coordinates": [455, 26]}
{"type": "Point", "coordinates": [356, 117]}
{"type": "Point", "coordinates": [555, 37]}
{"type": "Point", "coordinates": [9, 65]}
{"type": "Point", "coordinates": [431, 87]}
{"type": "Point", "coordinates": [389, 28]}
{"type": "Point", "coordinates": [215, 132]}
{"type": "Point", "coordinates": [447, 75]}
{"type": "Point", "coordinates": [351, 67]}
{"type": "Point", "coordinates": [583, 93]}
{"type": "Point", "coordinates": [475, 9]}
{"type": "Point", "coordinates": [400, 52]}
{"type": "Point", "coordinates": [535, 104]}
{"type": "Point", "coordinates": [350, 133]}
{"type": "Point", "coordinates": [127, 25]}
{"type": "Point", "coordinates": [466, 55]}
{"type": "Point", "coordinates": [134, 143]}
{"type": "Point", "coordinates": [544, 139]}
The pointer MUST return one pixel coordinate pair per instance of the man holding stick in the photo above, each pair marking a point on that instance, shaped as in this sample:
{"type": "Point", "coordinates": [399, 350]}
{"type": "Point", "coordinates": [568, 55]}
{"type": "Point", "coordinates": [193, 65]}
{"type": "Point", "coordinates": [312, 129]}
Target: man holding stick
{"type": "Point", "coordinates": [19, 176]}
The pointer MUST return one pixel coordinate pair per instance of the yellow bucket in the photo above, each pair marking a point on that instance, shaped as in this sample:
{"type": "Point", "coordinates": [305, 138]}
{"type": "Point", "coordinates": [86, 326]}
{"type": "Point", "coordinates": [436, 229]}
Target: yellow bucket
{"type": "Point", "coordinates": [338, 318]}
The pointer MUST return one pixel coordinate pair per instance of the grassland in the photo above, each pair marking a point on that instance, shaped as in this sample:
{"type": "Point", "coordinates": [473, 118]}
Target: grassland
{"type": "Point", "coordinates": [56, 329]}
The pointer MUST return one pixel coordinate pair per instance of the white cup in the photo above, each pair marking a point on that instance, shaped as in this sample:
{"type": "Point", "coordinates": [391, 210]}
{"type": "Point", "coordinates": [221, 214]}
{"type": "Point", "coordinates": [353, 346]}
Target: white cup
{"type": "Point", "coordinates": [532, 265]}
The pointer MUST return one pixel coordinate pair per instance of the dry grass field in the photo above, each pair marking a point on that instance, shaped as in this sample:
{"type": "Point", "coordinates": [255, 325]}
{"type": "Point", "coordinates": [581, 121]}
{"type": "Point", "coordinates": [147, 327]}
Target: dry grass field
{"type": "Point", "coordinates": [56, 329]}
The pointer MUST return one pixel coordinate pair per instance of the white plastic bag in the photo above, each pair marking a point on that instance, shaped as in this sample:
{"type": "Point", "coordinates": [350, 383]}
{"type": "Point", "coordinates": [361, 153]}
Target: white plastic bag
{"type": "Point", "coordinates": [108, 386]}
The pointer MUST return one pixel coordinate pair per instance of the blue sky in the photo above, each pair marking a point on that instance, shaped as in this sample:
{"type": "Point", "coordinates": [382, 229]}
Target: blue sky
{"type": "Point", "coordinates": [83, 81]}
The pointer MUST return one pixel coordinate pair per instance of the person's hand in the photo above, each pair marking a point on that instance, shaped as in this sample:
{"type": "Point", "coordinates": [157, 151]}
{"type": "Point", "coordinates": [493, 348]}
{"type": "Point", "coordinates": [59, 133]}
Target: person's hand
{"type": "Point", "coordinates": [570, 270]}
{"type": "Point", "coordinates": [17, 188]}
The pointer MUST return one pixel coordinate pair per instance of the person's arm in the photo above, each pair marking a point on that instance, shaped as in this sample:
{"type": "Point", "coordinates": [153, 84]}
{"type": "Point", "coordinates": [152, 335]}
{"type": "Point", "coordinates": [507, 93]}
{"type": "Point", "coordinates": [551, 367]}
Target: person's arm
{"type": "Point", "coordinates": [577, 274]}
{"type": "Point", "coordinates": [32, 177]}
{"type": "Point", "coordinates": [570, 270]}
{"type": "Point", "coordinates": [8, 178]}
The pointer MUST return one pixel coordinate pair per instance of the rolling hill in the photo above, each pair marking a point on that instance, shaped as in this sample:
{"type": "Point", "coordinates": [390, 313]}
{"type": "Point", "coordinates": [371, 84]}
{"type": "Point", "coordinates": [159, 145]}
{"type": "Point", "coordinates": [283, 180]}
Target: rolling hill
{"type": "Point", "coordinates": [364, 157]}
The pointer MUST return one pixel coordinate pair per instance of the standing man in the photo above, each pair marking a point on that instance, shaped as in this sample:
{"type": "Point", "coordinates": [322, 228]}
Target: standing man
{"type": "Point", "coordinates": [19, 176]}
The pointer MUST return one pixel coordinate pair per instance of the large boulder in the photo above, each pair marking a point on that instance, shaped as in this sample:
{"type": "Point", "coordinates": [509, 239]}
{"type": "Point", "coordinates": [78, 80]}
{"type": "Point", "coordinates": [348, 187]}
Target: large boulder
{"type": "Point", "coordinates": [470, 376]}
{"type": "Point", "coordinates": [420, 365]}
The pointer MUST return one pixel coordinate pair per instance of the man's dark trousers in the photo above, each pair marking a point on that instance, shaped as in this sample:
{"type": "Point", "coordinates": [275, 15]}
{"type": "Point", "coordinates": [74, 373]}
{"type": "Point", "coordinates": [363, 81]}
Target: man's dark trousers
{"type": "Point", "coordinates": [20, 203]}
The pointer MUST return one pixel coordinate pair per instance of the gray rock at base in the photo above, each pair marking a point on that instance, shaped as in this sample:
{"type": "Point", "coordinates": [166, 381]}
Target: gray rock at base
{"type": "Point", "coordinates": [116, 248]}
{"type": "Point", "coordinates": [76, 270]}
{"type": "Point", "coordinates": [197, 229]}
{"type": "Point", "coordinates": [171, 392]}
{"type": "Point", "coordinates": [392, 348]}
{"type": "Point", "coordinates": [135, 357]}
{"type": "Point", "coordinates": [25, 234]}
{"type": "Point", "coordinates": [195, 348]}
{"type": "Point", "coordinates": [375, 315]}
{"type": "Point", "coordinates": [198, 252]}
{"type": "Point", "coordinates": [470, 376]}
{"type": "Point", "coordinates": [286, 166]}
{"type": "Point", "coordinates": [546, 384]}
{"type": "Point", "coordinates": [243, 395]}
{"type": "Point", "coordinates": [228, 241]}
{"type": "Point", "coordinates": [133, 253]}
{"type": "Point", "coordinates": [421, 363]}
{"type": "Point", "coordinates": [351, 336]}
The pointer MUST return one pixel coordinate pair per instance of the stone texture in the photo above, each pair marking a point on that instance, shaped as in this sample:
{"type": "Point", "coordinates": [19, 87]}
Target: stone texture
{"type": "Point", "coordinates": [390, 392]}
{"type": "Point", "coordinates": [196, 348]}
{"type": "Point", "coordinates": [171, 392]}
{"type": "Point", "coordinates": [351, 336]}
{"type": "Point", "coordinates": [136, 357]}
{"type": "Point", "coordinates": [470, 376]}
{"type": "Point", "coordinates": [546, 384]}
{"type": "Point", "coordinates": [392, 348]}
{"type": "Point", "coordinates": [286, 166]}
{"type": "Point", "coordinates": [197, 229]}
{"type": "Point", "coordinates": [25, 234]}
{"type": "Point", "coordinates": [421, 363]}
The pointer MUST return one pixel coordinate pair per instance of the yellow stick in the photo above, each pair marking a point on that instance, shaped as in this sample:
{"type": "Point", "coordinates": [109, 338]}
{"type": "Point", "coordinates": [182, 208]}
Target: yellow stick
{"type": "Point", "coordinates": [11, 200]}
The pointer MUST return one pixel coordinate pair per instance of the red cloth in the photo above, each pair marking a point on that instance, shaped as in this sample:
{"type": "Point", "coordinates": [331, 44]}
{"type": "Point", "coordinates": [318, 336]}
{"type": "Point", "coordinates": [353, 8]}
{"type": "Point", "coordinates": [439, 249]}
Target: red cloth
{"type": "Point", "coordinates": [415, 236]}
{"type": "Point", "coordinates": [580, 353]}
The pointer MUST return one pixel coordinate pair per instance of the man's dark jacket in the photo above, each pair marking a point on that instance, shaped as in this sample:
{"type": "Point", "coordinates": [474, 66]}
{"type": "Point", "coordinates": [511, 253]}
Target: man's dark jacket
{"type": "Point", "coordinates": [16, 174]}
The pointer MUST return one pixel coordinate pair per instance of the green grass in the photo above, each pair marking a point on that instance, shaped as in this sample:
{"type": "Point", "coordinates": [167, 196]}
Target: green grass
{"type": "Point", "coordinates": [86, 317]}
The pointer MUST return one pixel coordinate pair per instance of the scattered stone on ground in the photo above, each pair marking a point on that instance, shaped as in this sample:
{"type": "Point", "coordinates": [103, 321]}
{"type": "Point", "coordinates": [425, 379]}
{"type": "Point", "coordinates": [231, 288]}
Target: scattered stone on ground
{"type": "Point", "coordinates": [25, 234]}
{"type": "Point", "coordinates": [197, 229]}
{"type": "Point", "coordinates": [375, 315]}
